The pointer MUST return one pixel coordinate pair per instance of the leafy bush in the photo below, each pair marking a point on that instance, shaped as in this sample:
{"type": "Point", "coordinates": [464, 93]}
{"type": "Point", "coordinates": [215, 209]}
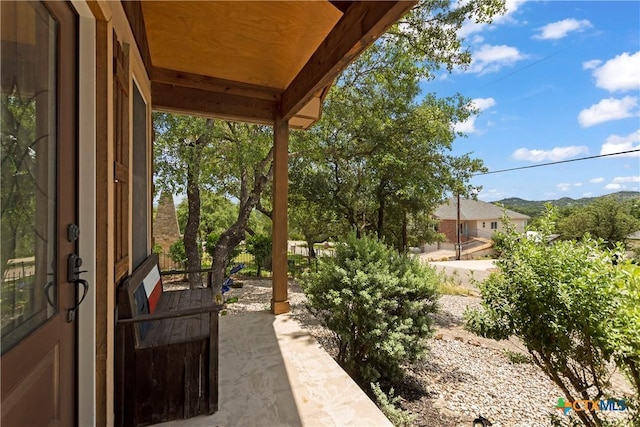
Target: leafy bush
{"type": "Point", "coordinates": [499, 241]}
{"type": "Point", "coordinates": [390, 407]}
{"type": "Point", "coordinates": [177, 253]}
{"type": "Point", "coordinates": [560, 300]}
{"type": "Point", "coordinates": [516, 358]}
{"type": "Point", "coordinates": [625, 331]}
{"type": "Point", "coordinates": [377, 302]}
{"type": "Point", "coordinates": [260, 247]}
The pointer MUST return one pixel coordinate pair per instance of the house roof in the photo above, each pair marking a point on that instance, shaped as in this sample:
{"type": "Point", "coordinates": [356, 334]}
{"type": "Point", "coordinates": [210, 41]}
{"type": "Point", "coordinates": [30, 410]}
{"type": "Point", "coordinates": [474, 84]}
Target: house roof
{"type": "Point", "coordinates": [634, 236]}
{"type": "Point", "coordinates": [474, 210]}
{"type": "Point", "coordinates": [253, 60]}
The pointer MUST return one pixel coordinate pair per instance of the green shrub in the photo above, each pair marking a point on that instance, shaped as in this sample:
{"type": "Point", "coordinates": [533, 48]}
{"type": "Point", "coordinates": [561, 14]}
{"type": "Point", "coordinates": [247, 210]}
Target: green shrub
{"type": "Point", "coordinates": [499, 241]}
{"type": "Point", "coordinates": [515, 357]}
{"type": "Point", "coordinates": [560, 299]}
{"type": "Point", "coordinates": [177, 253]}
{"type": "Point", "coordinates": [377, 302]}
{"type": "Point", "coordinates": [624, 333]}
{"type": "Point", "coordinates": [390, 407]}
{"type": "Point", "coordinates": [259, 246]}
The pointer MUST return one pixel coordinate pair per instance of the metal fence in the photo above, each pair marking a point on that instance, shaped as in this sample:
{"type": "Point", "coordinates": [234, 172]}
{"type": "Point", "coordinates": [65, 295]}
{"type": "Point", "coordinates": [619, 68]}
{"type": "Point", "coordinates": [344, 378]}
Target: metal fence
{"type": "Point", "coordinates": [298, 260]}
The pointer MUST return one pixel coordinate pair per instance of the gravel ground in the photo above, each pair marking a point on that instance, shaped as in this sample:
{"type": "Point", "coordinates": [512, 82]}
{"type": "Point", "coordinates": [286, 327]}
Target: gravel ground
{"type": "Point", "coordinates": [461, 376]}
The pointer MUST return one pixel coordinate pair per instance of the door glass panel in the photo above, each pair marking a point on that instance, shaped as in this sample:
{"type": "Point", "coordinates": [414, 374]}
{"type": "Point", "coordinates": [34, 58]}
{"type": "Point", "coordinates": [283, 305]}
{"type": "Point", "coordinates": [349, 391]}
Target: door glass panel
{"type": "Point", "coordinates": [28, 293]}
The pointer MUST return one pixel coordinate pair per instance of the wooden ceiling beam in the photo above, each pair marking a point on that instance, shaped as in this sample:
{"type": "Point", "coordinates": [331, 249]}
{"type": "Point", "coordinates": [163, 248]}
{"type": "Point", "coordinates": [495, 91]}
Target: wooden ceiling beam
{"type": "Point", "coordinates": [187, 100]}
{"type": "Point", "coordinates": [362, 23]}
{"type": "Point", "coordinates": [213, 84]}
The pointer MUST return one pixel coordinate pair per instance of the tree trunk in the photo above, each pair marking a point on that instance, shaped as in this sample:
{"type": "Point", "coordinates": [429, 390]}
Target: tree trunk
{"type": "Point", "coordinates": [227, 242]}
{"type": "Point", "coordinates": [380, 216]}
{"type": "Point", "coordinates": [311, 251]}
{"type": "Point", "coordinates": [193, 224]}
{"type": "Point", "coordinates": [232, 236]}
{"type": "Point", "coordinates": [405, 240]}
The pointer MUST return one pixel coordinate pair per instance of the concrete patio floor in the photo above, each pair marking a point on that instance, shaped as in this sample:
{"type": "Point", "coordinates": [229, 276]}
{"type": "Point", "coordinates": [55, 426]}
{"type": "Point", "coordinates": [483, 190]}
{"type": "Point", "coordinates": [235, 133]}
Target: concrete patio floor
{"type": "Point", "coordinates": [274, 373]}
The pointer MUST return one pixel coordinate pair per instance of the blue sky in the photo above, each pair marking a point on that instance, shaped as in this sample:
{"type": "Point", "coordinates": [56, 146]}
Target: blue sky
{"type": "Point", "coordinates": [554, 80]}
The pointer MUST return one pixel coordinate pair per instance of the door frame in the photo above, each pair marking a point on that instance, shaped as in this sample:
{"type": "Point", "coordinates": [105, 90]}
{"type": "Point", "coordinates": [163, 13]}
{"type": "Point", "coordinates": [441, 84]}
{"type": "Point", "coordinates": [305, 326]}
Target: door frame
{"type": "Point", "coordinates": [87, 211]}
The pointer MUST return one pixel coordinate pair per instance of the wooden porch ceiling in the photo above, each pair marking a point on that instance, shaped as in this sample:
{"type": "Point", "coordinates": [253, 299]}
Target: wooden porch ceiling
{"type": "Point", "coordinates": [253, 60]}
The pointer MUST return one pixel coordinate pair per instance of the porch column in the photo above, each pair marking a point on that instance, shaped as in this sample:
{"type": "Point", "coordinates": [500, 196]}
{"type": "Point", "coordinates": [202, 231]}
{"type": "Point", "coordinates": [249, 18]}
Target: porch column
{"type": "Point", "coordinates": [280, 299]}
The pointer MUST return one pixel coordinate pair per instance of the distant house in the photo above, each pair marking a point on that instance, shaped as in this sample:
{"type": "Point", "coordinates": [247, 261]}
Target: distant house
{"type": "Point", "coordinates": [477, 219]}
{"type": "Point", "coordinates": [633, 240]}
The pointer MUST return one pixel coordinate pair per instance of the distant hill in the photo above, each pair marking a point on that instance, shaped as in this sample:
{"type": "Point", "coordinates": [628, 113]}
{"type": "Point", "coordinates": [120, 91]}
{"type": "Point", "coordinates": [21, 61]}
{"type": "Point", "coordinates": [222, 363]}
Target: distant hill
{"type": "Point", "coordinates": [536, 207]}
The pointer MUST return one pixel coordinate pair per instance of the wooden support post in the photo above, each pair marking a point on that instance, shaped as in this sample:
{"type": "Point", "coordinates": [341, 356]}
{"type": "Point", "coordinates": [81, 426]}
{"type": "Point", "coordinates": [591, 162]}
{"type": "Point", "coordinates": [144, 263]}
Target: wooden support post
{"type": "Point", "coordinates": [280, 301]}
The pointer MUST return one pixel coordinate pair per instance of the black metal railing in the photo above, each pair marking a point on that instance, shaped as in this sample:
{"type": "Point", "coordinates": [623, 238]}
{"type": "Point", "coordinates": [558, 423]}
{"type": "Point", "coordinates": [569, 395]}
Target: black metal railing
{"type": "Point", "coordinates": [298, 260]}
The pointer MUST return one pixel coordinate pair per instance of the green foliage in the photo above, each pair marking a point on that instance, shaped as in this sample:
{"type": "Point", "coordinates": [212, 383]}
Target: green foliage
{"type": "Point", "coordinates": [607, 218]}
{"type": "Point", "coordinates": [21, 148]}
{"type": "Point", "coordinates": [451, 285]}
{"type": "Point", "coordinates": [177, 253]}
{"type": "Point", "coordinates": [516, 358]}
{"type": "Point", "coordinates": [309, 217]}
{"type": "Point", "coordinates": [182, 146]}
{"type": "Point", "coordinates": [428, 33]}
{"type": "Point", "coordinates": [380, 161]}
{"type": "Point", "coordinates": [157, 249]}
{"type": "Point", "coordinates": [217, 213]}
{"type": "Point", "coordinates": [390, 407]}
{"type": "Point", "coordinates": [560, 300]}
{"type": "Point", "coordinates": [450, 288]}
{"type": "Point", "coordinates": [537, 208]}
{"type": "Point", "coordinates": [624, 336]}
{"type": "Point", "coordinates": [377, 302]}
{"type": "Point", "coordinates": [260, 247]}
{"type": "Point", "coordinates": [499, 240]}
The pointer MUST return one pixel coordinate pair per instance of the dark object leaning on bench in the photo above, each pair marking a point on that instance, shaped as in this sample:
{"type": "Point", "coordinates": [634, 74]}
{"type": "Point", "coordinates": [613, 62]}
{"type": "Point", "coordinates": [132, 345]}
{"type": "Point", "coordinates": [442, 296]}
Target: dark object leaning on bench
{"type": "Point", "coordinates": [166, 350]}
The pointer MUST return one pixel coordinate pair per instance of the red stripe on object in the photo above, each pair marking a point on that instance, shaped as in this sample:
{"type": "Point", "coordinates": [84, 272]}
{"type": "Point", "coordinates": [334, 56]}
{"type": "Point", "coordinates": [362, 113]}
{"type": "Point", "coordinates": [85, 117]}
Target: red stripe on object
{"type": "Point", "coordinates": [155, 297]}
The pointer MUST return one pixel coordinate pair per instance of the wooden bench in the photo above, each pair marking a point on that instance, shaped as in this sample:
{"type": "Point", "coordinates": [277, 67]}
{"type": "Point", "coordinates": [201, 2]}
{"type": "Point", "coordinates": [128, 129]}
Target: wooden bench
{"type": "Point", "coordinates": [166, 350]}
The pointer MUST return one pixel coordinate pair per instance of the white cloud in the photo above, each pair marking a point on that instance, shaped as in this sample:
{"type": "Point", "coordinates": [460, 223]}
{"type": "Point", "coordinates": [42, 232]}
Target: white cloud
{"type": "Point", "coordinates": [470, 27]}
{"type": "Point", "coordinates": [468, 126]}
{"type": "Point", "coordinates": [492, 58]}
{"type": "Point", "coordinates": [577, 184]}
{"type": "Point", "coordinates": [617, 144]}
{"type": "Point", "coordinates": [480, 104]}
{"type": "Point", "coordinates": [483, 103]}
{"type": "Point", "coordinates": [613, 187]}
{"type": "Point", "coordinates": [596, 180]}
{"type": "Point", "coordinates": [477, 39]}
{"type": "Point", "coordinates": [591, 65]}
{"type": "Point", "coordinates": [621, 73]}
{"type": "Point", "coordinates": [608, 109]}
{"type": "Point", "coordinates": [587, 194]}
{"type": "Point", "coordinates": [560, 29]}
{"type": "Point", "coordinates": [555, 154]}
{"type": "Point", "coordinates": [563, 186]}
{"type": "Point", "coordinates": [619, 179]}
{"type": "Point", "coordinates": [511, 6]}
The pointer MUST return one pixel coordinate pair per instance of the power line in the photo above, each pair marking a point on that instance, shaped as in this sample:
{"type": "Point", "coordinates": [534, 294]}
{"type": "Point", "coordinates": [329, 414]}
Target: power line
{"type": "Point", "coordinates": [520, 69]}
{"type": "Point", "coordinates": [557, 163]}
